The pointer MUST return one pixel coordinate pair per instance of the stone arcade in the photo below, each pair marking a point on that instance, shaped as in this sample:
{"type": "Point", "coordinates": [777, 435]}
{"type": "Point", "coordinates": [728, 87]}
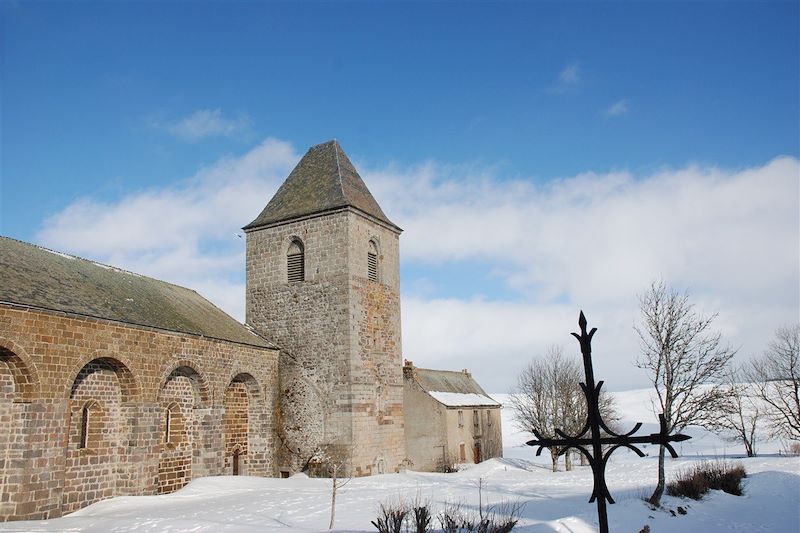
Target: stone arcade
{"type": "Point", "coordinates": [112, 383]}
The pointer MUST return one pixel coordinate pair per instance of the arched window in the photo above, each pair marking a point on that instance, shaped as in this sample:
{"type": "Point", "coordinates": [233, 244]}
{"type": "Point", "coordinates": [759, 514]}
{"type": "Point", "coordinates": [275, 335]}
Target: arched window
{"type": "Point", "coordinates": [174, 425]}
{"type": "Point", "coordinates": [167, 424]}
{"type": "Point", "coordinates": [372, 261]}
{"type": "Point", "coordinates": [295, 262]}
{"type": "Point", "coordinates": [84, 437]}
{"type": "Point", "coordinates": [90, 425]}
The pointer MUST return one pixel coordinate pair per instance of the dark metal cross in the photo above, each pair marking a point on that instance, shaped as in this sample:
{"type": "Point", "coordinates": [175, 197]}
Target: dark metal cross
{"type": "Point", "coordinates": [600, 434]}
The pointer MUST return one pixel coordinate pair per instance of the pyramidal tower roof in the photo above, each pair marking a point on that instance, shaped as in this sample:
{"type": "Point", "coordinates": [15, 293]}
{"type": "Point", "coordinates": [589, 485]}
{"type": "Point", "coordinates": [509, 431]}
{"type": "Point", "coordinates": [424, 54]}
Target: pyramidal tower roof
{"type": "Point", "coordinates": [323, 180]}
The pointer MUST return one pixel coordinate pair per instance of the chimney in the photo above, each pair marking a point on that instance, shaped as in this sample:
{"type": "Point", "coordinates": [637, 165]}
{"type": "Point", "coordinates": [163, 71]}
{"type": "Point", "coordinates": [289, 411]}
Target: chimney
{"type": "Point", "coordinates": [408, 368]}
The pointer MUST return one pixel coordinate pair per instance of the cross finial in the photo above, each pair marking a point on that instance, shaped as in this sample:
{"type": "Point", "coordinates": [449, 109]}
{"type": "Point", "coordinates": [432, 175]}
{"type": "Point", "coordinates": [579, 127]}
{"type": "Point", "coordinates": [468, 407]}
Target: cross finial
{"type": "Point", "coordinates": [596, 433]}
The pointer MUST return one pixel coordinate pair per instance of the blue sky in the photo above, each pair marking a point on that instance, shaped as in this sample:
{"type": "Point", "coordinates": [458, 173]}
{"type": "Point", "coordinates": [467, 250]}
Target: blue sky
{"type": "Point", "coordinates": [122, 122]}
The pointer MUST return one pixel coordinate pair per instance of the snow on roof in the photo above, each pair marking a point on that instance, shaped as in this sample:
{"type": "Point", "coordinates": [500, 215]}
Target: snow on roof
{"type": "Point", "coordinates": [459, 399]}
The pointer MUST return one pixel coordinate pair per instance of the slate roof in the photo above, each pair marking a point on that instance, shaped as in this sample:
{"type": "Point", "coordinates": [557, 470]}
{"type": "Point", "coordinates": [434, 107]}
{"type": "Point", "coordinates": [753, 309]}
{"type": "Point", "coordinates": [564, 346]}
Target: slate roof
{"type": "Point", "coordinates": [34, 276]}
{"type": "Point", "coordinates": [453, 388]}
{"type": "Point", "coordinates": [323, 180]}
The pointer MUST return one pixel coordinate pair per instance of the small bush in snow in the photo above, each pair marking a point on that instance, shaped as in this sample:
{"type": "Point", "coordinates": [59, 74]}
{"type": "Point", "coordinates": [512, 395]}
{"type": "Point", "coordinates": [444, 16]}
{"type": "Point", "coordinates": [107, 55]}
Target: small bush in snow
{"type": "Point", "coordinates": [698, 480]}
{"type": "Point", "coordinates": [421, 517]}
{"type": "Point", "coordinates": [499, 519]}
{"type": "Point", "coordinates": [391, 519]}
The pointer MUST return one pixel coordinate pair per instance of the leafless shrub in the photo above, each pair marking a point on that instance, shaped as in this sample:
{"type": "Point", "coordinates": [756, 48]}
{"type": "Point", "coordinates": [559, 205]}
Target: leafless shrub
{"type": "Point", "coordinates": [494, 519]}
{"type": "Point", "coordinates": [698, 480]}
{"type": "Point", "coordinates": [391, 519]}
{"type": "Point", "coordinates": [793, 448]}
{"type": "Point", "coordinates": [420, 516]}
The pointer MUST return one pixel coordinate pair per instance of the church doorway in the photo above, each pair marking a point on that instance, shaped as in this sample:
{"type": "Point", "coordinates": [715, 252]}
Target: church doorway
{"type": "Point", "coordinates": [236, 454]}
{"type": "Point", "coordinates": [478, 453]}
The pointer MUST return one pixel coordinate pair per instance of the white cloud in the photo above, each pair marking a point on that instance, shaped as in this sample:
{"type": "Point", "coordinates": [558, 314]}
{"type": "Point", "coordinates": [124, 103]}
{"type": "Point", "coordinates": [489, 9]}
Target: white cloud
{"type": "Point", "coordinates": [568, 79]}
{"type": "Point", "coordinates": [205, 123]}
{"type": "Point", "coordinates": [570, 74]}
{"type": "Point", "coordinates": [620, 107]}
{"type": "Point", "coordinates": [591, 242]}
{"type": "Point", "coordinates": [186, 233]}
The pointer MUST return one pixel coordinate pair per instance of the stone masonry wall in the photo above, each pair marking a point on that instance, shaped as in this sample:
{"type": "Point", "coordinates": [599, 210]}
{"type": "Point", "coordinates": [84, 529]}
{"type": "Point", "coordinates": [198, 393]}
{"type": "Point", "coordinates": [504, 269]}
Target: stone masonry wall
{"type": "Point", "coordinates": [91, 470]}
{"type": "Point", "coordinates": [340, 368]}
{"type": "Point", "coordinates": [177, 428]}
{"type": "Point", "coordinates": [474, 427]}
{"type": "Point", "coordinates": [53, 365]}
{"type": "Point", "coordinates": [376, 355]}
{"type": "Point", "coordinates": [309, 321]}
{"type": "Point", "coordinates": [425, 428]}
{"type": "Point", "coordinates": [236, 427]}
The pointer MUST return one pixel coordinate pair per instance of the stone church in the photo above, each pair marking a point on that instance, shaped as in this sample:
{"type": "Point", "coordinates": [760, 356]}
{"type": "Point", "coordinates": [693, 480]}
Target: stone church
{"type": "Point", "coordinates": [112, 383]}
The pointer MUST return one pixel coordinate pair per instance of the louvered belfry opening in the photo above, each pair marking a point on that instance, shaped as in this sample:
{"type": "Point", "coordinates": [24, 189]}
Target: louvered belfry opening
{"type": "Point", "coordinates": [295, 262]}
{"type": "Point", "coordinates": [372, 262]}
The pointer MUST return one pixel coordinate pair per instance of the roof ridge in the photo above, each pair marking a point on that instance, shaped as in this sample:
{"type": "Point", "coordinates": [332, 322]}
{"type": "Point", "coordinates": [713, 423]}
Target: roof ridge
{"type": "Point", "coordinates": [338, 167]}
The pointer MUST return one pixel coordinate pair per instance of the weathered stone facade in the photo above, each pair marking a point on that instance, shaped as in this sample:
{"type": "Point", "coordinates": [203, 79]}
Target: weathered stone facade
{"type": "Point", "coordinates": [84, 402]}
{"type": "Point", "coordinates": [449, 419]}
{"type": "Point", "coordinates": [341, 379]}
{"type": "Point", "coordinates": [339, 325]}
{"type": "Point", "coordinates": [112, 383]}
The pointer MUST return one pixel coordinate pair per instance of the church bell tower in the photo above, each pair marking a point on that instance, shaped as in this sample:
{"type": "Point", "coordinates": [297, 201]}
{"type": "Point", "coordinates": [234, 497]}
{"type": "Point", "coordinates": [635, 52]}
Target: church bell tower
{"type": "Point", "coordinates": [323, 283]}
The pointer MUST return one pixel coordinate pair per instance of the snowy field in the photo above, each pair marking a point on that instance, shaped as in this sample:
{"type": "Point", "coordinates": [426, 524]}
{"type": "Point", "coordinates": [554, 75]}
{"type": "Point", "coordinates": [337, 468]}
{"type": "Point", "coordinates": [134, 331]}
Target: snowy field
{"type": "Point", "coordinates": [552, 501]}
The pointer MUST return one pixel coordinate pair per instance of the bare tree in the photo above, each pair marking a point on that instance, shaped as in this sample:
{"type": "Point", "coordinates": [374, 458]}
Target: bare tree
{"type": "Point", "coordinates": [776, 376]}
{"type": "Point", "coordinates": [740, 415]}
{"type": "Point", "coordinates": [335, 466]}
{"type": "Point", "coordinates": [682, 354]}
{"type": "Point", "coordinates": [536, 402]}
{"type": "Point", "coordinates": [548, 397]}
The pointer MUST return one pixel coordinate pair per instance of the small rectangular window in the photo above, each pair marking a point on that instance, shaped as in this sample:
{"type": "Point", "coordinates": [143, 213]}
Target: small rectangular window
{"type": "Point", "coordinates": [461, 419]}
{"type": "Point", "coordinates": [476, 421]}
{"type": "Point", "coordinates": [372, 266]}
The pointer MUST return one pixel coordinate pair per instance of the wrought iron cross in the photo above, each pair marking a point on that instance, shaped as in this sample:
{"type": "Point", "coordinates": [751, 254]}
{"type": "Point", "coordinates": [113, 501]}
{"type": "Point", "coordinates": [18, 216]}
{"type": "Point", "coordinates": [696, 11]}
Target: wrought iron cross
{"type": "Point", "coordinates": [595, 426]}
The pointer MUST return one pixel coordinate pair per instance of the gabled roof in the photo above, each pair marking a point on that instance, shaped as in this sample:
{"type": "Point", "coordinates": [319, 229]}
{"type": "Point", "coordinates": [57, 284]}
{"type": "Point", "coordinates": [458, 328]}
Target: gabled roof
{"type": "Point", "coordinates": [37, 277]}
{"type": "Point", "coordinates": [453, 389]}
{"type": "Point", "coordinates": [323, 180]}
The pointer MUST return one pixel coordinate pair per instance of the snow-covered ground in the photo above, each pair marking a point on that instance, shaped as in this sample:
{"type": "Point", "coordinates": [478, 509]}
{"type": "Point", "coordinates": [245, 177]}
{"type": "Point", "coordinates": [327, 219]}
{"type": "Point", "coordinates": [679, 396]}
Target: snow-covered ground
{"type": "Point", "coordinates": [552, 501]}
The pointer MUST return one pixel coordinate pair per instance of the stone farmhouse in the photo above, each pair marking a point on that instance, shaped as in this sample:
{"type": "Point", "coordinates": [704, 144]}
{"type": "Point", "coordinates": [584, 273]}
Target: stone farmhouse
{"type": "Point", "coordinates": [112, 383]}
{"type": "Point", "coordinates": [461, 423]}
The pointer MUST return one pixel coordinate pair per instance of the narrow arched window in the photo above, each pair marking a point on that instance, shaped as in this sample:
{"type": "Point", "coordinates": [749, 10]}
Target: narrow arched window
{"type": "Point", "coordinates": [167, 424]}
{"type": "Point", "coordinates": [295, 262]}
{"type": "Point", "coordinates": [84, 436]}
{"type": "Point", "coordinates": [372, 261]}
